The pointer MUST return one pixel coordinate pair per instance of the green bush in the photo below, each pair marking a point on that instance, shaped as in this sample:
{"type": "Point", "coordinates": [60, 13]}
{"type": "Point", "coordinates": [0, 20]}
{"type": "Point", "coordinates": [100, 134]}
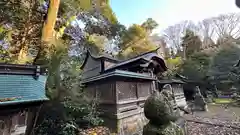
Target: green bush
{"type": "Point", "coordinates": [54, 127]}
{"type": "Point", "coordinates": [66, 117]}
{"type": "Point", "coordinates": [83, 112]}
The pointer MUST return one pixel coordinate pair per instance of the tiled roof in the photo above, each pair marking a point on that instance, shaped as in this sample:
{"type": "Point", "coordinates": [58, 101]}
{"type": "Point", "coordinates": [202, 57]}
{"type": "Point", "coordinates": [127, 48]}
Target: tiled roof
{"type": "Point", "coordinates": [22, 88]}
{"type": "Point", "coordinates": [147, 56]}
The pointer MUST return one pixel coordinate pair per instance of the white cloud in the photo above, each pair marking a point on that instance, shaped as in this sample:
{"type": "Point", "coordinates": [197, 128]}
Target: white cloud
{"type": "Point", "coordinates": [195, 10]}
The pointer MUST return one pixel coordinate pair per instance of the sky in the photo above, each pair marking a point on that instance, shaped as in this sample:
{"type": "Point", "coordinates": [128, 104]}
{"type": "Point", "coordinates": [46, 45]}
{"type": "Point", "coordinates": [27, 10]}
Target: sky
{"type": "Point", "coordinates": [170, 12]}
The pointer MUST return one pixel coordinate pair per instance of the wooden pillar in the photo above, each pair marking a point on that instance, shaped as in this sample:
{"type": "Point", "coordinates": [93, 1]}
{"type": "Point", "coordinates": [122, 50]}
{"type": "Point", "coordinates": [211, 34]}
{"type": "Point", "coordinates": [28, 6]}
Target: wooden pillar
{"type": "Point", "coordinates": [14, 122]}
{"type": "Point", "coordinates": [31, 117]}
{"type": "Point", "coordinates": [7, 125]}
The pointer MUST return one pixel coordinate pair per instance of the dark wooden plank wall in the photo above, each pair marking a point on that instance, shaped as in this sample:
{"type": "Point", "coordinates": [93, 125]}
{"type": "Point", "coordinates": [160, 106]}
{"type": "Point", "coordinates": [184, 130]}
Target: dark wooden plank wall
{"type": "Point", "coordinates": [132, 95]}
{"type": "Point", "coordinates": [92, 68]}
{"type": "Point", "coordinates": [103, 91]}
{"type": "Point", "coordinates": [120, 96]}
{"type": "Point", "coordinates": [10, 124]}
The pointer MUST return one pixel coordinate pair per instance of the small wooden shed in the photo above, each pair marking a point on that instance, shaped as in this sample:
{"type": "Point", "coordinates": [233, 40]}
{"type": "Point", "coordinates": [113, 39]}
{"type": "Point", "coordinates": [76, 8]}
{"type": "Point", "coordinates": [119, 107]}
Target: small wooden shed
{"type": "Point", "coordinates": [122, 88]}
{"type": "Point", "coordinates": [22, 89]}
{"type": "Point", "coordinates": [176, 88]}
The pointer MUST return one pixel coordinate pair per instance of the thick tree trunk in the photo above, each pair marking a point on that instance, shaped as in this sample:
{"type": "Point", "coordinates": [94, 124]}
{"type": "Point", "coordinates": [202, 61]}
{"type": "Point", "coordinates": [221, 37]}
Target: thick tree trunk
{"type": "Point", "coordinates": [48, 33]}
{"type": "Point", "coordinates": [48, 28]}
{"type": "Point", "coordinates": [47, 38]}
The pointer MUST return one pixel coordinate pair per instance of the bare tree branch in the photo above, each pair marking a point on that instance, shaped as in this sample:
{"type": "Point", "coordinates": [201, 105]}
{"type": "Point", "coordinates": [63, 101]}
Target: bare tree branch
{"type": "Point", "coordinates": [173, 34]}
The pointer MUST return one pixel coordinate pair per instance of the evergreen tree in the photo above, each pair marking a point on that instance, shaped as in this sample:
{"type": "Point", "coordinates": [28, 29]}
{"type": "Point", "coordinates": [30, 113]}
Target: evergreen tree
{"type": "Point", "coordinates": [222, 70]}
{"type": "Point", "coordinates": [136, 39]}
{"type": "Point", "coordinates": [191, 43]}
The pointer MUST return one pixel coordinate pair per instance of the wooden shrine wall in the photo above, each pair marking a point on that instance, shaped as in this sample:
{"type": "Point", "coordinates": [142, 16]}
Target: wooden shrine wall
{"type": "Point", "coordinates": [92, 68]}
{"type": "Point", "coordinates": [123, 95]}
{"type": "Point", "coordinates": [14, 124]}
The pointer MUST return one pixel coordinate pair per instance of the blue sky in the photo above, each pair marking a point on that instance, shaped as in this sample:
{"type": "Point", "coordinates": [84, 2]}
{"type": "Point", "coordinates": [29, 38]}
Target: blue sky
{"type": "Point", "coordinates": [169, 12]}
{"type": "Point", "coordinates": [136, 11]}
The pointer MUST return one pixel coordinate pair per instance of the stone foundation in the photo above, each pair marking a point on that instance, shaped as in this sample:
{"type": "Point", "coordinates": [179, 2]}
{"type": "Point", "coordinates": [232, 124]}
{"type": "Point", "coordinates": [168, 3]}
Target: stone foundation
{"type": "Point", "coordinates": [132, 125]}
{"type": "Point", "coordinates": [127, 123]}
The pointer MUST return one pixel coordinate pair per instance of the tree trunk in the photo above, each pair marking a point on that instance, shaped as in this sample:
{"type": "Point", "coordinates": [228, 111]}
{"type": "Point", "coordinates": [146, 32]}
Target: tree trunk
{"type": "Point", "coordinates": [47, 38]}
{"type": "Point", "coordinates": [48, 28]}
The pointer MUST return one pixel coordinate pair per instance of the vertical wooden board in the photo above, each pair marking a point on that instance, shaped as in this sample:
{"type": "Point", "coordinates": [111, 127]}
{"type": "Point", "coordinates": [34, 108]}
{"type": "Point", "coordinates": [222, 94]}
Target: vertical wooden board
{"type": "Point", "coordinates": [14, 124]}
{"type": "Point", "coordinates": [106, 92]}
{"type": "Point", "coordinates": [126, 90]}
{"type": "Point", "coordinates": [144, 89]}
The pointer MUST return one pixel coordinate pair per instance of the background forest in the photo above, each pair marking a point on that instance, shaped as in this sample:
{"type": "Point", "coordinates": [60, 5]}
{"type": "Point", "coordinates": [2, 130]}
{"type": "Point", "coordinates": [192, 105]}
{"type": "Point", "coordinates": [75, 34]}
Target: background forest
{"type": "Point", "coordinates": [57, 35]}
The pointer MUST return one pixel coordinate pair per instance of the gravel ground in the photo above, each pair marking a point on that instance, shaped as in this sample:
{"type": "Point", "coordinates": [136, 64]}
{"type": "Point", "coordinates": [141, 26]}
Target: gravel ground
{"type": "Point", "coordinates": [204, 129]}
{"type": "Point", "coordinates": [216, 115]}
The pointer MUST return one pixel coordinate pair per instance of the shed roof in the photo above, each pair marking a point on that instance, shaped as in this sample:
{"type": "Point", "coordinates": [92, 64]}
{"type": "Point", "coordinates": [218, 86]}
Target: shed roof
{"type": "Point", "coordinates": [149, 56]}
{"type": "Point", "coordinates": [120, 73]}
{"type": "Point", "coordinates": [106, 57]}
{"type": "Point", "coordinates": [21, 84]}
{"type": "Point", "coordinates": [170, 81]}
